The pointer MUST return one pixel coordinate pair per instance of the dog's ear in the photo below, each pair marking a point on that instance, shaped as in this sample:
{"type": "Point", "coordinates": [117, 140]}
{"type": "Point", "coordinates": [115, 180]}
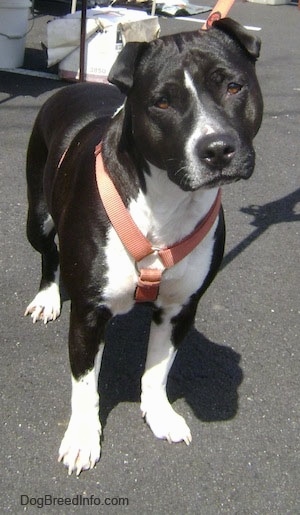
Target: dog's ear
{"type": "Point", "coordinates": [249, 42]}
{"type": "Point", "coordinates": [122, 71]}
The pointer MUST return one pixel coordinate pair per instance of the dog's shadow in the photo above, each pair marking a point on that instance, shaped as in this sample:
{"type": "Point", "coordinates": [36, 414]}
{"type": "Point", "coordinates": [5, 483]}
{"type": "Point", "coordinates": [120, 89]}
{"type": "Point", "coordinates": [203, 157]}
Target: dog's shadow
{"type": "Point", "coordinates": [207, 375]}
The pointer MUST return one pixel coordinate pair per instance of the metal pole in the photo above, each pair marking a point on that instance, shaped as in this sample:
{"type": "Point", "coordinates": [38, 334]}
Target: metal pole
{"type": "Point", "coordinates": [82, 40]}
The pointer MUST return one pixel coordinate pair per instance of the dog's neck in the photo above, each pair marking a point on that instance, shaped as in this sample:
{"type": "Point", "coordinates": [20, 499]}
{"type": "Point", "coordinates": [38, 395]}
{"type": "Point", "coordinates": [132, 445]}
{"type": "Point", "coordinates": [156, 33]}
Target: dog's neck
{"type": "Point", "coordinates": [166, 212]}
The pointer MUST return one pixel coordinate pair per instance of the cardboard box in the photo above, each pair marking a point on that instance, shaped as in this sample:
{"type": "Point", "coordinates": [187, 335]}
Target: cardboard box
{"type": "Point", "coordinates": [108, 30]}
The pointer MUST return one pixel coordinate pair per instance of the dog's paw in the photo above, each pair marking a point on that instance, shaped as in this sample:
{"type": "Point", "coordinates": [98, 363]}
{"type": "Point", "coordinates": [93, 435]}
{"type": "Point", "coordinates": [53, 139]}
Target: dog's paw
{"type": "Point", "coordinates": [80, 447]}
{"type": "Point", "coordinates": [46, 305]}
{"type": "Point", "coordinates": [167, 424]}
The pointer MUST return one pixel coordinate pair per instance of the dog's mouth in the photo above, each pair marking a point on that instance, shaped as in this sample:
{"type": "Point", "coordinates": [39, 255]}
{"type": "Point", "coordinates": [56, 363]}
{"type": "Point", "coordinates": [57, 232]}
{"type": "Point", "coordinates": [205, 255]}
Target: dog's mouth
{"type": "Point", "coordinates": [218, 179]}
{"type": "Point", "coordinates": [222, 180]}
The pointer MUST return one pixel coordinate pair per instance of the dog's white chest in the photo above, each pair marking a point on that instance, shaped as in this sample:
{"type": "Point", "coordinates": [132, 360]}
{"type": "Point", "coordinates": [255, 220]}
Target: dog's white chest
{"type": "Point", "coordinates": [163, 224]}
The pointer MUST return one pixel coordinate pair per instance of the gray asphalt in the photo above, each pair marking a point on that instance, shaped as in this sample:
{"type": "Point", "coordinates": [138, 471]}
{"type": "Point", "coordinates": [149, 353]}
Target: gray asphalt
{"type": "Point", "coordinates": [236, 378]}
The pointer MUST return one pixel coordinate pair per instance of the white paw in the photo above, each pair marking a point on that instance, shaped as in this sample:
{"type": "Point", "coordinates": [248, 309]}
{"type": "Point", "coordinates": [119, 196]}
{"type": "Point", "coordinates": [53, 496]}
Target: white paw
{"type": "Point", "coordinates": [46, 305]}
{"type": "Point", "coordinates": [167, 424]}
{"type": "Point", "coordinates": [80, 447]}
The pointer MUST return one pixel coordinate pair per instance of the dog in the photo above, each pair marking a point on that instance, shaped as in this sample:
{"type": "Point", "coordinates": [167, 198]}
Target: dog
{"type": "Point", "coordinates": [190, 108]}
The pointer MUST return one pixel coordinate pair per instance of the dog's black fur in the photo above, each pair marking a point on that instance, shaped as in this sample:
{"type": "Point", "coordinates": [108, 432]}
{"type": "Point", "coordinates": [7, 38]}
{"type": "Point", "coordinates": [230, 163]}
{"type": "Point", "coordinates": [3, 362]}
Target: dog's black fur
{"type": "Point", "coordinates": [192, 108]}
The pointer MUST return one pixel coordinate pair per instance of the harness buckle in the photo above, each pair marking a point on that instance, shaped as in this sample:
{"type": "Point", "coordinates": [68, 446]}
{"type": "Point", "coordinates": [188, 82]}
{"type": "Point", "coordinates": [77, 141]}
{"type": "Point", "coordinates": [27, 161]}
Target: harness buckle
{"type": "Point", "coordinates": [148, 284]}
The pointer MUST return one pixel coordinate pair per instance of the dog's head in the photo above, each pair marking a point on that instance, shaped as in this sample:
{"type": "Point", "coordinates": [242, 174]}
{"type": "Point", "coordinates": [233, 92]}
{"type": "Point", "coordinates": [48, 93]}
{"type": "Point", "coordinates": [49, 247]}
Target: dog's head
{"type": "Point", "coordinates": [193, 103]}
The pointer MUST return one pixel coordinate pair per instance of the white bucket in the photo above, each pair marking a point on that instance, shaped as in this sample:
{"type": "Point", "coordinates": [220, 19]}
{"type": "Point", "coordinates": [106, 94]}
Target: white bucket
{"type": "Point", "coordinates": [13, 28]}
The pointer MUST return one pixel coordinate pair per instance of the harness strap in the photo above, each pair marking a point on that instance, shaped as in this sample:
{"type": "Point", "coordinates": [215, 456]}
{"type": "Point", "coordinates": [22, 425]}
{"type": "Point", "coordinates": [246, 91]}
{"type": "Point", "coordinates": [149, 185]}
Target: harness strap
{"type": "Point", "coordinates": [137, 244]}
{"type": "Point", "coordinates": [130, 235]}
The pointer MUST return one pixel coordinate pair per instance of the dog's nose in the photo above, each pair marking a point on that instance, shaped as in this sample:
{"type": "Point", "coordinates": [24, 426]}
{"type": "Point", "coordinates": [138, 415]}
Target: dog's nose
{"type": "Point", "coordinates": [216, 151]}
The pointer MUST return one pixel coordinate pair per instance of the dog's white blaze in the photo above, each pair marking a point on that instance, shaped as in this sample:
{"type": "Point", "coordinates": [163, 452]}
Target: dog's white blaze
{"type": "Point", "coordinates": [80, 447]}
{"type": "Point", "coordinates": [203, 126]}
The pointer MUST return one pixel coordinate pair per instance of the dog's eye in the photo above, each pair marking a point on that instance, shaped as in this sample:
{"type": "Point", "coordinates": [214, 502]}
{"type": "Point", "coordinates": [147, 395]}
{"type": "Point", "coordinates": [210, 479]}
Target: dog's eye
{"type": "Point", "coordinates": [162, 103]}
{"type": "Point", "coordinates": [233, 88]}
{"type": "Point", "coordinates": [217, 77]}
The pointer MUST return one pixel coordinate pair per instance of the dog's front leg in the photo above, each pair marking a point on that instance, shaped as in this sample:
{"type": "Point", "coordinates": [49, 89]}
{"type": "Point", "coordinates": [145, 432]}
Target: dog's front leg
{"type": "Point", "coordinates": [161, 417]}
{"type": "Point", "coordinates": [80, 447]}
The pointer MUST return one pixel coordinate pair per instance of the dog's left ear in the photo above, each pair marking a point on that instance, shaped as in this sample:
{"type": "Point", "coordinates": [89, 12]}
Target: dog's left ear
{"type": "Point", "coordinates": [249, 42]}
{"type": "Point", "coordinates": [122, 71]}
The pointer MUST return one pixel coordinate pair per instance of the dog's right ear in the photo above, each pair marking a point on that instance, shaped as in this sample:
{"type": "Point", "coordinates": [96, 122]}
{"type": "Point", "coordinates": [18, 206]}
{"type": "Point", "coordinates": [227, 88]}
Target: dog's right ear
{"type": "Point", "coordinates": [122, 71]}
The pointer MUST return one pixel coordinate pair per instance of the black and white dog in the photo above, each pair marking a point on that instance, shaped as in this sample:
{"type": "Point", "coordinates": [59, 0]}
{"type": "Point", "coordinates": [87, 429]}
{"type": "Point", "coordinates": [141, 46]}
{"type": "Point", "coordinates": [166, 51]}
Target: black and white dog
{"type": "Point", "coordinates": [191, 109]}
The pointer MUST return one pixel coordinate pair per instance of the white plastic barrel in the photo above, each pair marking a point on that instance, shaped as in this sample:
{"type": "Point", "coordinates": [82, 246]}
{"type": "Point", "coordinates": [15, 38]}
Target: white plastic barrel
{"type": "Point", "coordinates": [14, 16]}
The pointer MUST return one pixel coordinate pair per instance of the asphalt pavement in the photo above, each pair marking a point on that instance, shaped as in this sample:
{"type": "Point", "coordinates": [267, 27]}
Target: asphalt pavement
{"type": "Point", "coordinates": [235, 379]}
